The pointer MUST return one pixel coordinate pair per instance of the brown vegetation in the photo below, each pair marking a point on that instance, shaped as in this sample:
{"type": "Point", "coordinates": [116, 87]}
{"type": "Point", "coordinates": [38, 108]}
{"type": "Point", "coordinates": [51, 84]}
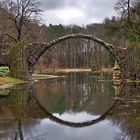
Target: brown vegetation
{"type": "Point", "coordinates": [2, 81]}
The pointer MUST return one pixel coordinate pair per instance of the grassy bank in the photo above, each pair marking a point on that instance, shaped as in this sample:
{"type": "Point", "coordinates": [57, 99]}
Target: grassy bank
{"type": "Point", "coordinates": [48, 73]}
{"type": "Point", "coordinates": [10, 80]}
{"type": "Point", "coordinates": [5, 79]}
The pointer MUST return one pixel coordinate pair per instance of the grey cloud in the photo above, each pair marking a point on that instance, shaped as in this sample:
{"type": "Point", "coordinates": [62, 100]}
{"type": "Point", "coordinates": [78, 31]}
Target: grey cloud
{"type": "Point", "coordinates": [56, 4]}
{"type": "Point", "coordinates": [52, 4]}
{"type": "Point", "coordinates": [95, 9]}
{"type": "Point", "coordinates": [98, 7]}
{"type": "Point", "coordinates": [50, 18]}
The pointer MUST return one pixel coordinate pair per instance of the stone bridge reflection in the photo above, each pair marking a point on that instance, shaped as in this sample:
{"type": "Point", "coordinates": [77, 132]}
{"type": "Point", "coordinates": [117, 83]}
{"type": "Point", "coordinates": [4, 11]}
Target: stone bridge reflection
{"type": "Point", "coordinates": [22, 104]}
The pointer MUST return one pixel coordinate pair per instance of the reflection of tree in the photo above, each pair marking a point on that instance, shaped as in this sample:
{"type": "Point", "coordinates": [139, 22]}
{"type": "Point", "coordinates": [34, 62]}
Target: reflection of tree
{"type": "Point", "coordinates": [15, 110]}
{"type": "Point", "coordinates": [127, 113]}
{"type": "Point", "coordinates": [73, 124]}
{"type": "Point", "coordinates": [78, 92]}
{"type": "Point", "coordinates": [95, 95]}
{"type": "Point", "coordinates": [92, 95]}
{"type": "Point", "coordinates": [4, 92]}
{"type": "Point", "coordinates": [16, 102]}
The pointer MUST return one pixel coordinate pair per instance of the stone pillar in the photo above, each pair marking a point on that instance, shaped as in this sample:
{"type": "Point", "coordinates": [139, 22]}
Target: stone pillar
{"type": "Point", "coordinates": [18, 62]}
{"type": "Point", "coordinates": [117, 90]}
{"type": "Point", "coordinates": [117, 75]}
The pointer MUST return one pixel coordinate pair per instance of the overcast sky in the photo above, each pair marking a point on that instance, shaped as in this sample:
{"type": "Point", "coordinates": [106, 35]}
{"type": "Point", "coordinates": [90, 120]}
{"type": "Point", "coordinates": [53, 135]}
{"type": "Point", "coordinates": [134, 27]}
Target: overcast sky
{"type": "Point", "coordinates": [80, 12]}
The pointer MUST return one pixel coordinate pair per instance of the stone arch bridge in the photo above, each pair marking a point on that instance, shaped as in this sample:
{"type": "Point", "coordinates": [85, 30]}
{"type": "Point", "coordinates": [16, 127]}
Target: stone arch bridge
{"type": "Point", "coordinates": [23, 57]}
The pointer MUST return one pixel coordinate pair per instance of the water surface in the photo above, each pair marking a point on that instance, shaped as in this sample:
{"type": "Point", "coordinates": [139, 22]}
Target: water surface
{"type": "Point", "coordinates": [63, 109]}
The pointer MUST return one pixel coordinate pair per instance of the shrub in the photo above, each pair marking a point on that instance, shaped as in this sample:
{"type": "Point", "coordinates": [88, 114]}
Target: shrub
{"type": "Point", "coordinates": [4, 71]}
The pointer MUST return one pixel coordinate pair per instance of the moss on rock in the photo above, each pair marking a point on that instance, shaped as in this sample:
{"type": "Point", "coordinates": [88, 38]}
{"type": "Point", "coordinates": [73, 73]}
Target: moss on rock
{"type": "Point", "coordinates": [18, 62]}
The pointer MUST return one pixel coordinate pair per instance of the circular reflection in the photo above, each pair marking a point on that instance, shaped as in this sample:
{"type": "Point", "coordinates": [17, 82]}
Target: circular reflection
{"type": "Point", "coordinates": [74, 124]}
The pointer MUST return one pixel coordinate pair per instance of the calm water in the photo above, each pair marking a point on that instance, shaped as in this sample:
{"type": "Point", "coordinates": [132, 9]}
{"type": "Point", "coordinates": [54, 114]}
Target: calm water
{"type": "Point", "coordinates": [68, 108]}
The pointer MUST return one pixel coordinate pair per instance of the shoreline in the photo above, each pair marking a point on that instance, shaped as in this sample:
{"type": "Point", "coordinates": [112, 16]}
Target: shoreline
{"type": "Point", "coordinates": [47, 75]}
{"type": "Point", "coordinates": [6, 82]}
{"type": "Point", "coordinates": [70, 70]}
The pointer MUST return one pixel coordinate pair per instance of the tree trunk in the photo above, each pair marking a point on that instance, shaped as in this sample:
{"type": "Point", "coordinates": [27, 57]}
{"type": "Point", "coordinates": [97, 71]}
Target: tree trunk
{"type": "Point", "coordinates": [18, 62]}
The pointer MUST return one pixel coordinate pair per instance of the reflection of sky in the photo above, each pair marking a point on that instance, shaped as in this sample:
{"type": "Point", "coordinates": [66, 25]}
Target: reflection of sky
{"type": "Point", "coordinates": [75, 117]}
{"type": "Point", "coordinates": [48, 130]}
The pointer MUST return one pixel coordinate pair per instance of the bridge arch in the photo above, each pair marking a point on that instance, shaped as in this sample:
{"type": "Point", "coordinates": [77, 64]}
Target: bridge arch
{"type": "Point", "coordinates": [38, 49]}
{"type": "Point", "coordinates": [29, 54]}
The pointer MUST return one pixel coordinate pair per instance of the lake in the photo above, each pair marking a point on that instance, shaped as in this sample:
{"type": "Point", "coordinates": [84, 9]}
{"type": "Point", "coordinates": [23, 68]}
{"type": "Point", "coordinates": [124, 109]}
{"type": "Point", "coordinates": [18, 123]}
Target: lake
{"type": "Point", "coordinates": [79, 106]}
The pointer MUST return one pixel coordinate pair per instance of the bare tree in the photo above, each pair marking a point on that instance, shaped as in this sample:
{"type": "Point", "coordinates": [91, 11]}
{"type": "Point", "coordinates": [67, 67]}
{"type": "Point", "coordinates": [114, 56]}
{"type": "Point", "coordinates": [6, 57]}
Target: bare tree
{"type": "Point", "coordinates": [20, 12]}
{"type": "Point", "coordinates": [129, 11]}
